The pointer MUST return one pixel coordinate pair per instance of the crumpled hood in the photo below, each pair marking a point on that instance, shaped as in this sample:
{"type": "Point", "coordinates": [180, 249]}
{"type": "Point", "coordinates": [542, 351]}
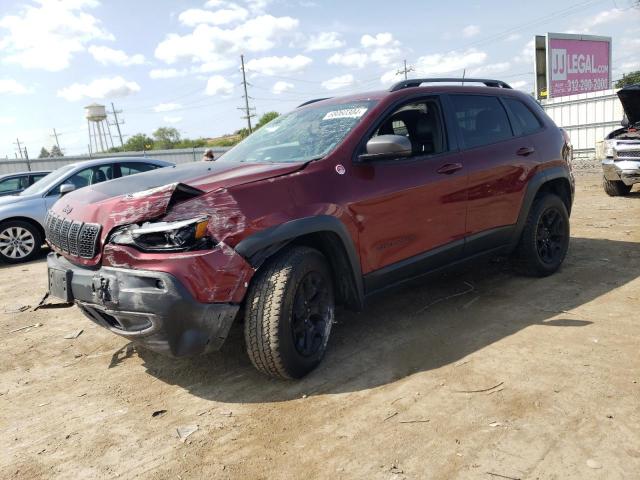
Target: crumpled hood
{"type": "Point", "coordinates": [147, 196]}
{"type": "Point", "coordinates": [630, 99]}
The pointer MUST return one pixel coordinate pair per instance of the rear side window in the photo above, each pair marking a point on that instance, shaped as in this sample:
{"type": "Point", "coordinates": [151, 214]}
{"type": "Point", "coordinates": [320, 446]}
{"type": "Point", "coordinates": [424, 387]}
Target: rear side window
{"type": "Point", "coordinates": [525, 121]}
{"type": "Point", "coordinates": [482, 120]}
{"type": "Point", "coordinates": [131, 168]}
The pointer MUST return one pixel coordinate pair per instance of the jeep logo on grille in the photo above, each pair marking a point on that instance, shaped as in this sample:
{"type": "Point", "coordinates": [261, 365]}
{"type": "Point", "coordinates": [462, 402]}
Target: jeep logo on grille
{"type": "Point", "coordinates": [67, 210]}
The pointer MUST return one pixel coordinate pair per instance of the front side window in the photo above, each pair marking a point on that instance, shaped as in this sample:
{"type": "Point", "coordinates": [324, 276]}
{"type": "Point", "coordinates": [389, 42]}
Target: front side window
{"type": "Point", "coordinates": [308, 133]}
{"type": "Point", "coordinates": [89, 176]}
{"type": "Point", "coordinates": [482, 120]}
{"type": "Point", "coordinates": [525, 121]}
{"type": "Point", "coordinates": [421, 123]}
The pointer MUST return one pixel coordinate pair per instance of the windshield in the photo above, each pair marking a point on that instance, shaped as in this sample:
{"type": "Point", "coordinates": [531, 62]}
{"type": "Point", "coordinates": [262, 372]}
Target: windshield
{"type": "Point", "coordinates": [299, 136]}
{"type": "Point", "coordinates": [48, 181]}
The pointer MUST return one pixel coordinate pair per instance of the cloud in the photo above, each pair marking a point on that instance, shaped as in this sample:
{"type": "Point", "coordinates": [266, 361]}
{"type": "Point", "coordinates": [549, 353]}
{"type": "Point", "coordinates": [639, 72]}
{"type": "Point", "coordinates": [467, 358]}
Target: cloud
{"type": "Point", "coordinates": [110, 56]}
{"type": "Point", "coordinates": [382, 49]}
{"type": "Point", "coordinates": [440, 63]}
{"type": "Point", "coordinates": [196, 16]}
{"type": "Point", "coordinates": [513, 37]}
{"type": "Point", "coordinates": [208, 44]}
{"type": "Point", "coordinates": [161, 73]}
{"type": "Point", "coordinates": [218, 85]}
{"type": "Point", "coordinates": [281, 86]}
{"type": "Point", "coordinates": [470, 31]}
{"type": "Point", "coordinates": [172, 119]}
{"type": "Point", "coordinates": [278, 65]}
{"type": "Point", "coordinates": [338, 82]}
{"type": "Point", "coordinates": [9, 85]}
{"type": "Point", "coordinates": [380, 40]}
{"type": "Point", "coordinates": [166, 107]}
{"type": "Point", "coordinates": [527, 54]}
{"type": "Point", "coordinates": [98, 89]}
{"type": "Point", "coordinates": [519, 85]}
{"type": "Point", "coordinates": [324, 41]}
{"type": "Point", "coordinates": [490, 69]}
{"type": "Point", "coordinates": [47, 35]}
{"type": "Point", "coordinates": [350, 59]}
{"type": "Point", "coordinates": [7, 120]}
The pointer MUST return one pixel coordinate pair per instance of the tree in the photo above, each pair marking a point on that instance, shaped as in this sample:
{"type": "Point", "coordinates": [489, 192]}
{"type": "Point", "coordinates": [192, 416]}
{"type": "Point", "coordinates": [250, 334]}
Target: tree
{"type": "Point", "coordinates": [138, 142]}
{"type": "Point", "coordinates": [56, 152]}
{"type": "Point", "coordinates": [266, 118]}
{"type": "Point", "coordinates": [630, 78]}
{"type": "Point", "coordinates": [44, 153]}
{"type": "Point", "coordinates": [166, 137]}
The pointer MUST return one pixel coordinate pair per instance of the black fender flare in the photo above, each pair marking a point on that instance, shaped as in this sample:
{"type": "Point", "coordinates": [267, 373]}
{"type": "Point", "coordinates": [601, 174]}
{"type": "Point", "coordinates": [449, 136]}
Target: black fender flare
{"type": "Point", "coordinates": [259, 246]}
{"type": "Point", "coordinates": [533, 187]}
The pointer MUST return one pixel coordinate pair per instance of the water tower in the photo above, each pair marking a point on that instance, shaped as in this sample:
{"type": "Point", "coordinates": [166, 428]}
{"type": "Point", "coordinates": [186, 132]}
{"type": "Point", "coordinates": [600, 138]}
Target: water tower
{"type": "Point", "coordinates": [100, 140]}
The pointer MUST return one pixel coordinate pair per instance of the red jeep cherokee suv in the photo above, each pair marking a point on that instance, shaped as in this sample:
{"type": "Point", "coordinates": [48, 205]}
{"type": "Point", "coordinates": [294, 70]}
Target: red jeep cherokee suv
{"type": "Point", "coordinates": [328, 204]}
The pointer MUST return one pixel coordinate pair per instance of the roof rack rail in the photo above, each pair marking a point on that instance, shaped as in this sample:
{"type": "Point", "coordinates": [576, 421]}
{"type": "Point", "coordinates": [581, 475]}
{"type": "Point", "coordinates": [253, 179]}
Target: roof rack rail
{"type": "Point", "coordinates": [416, 82]}
{"type": "Point", "coordinates": [308, 102]}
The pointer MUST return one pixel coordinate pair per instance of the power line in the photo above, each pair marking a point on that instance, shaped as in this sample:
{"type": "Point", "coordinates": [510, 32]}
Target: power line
{"type": "Point", "coordinates": [246, 109]}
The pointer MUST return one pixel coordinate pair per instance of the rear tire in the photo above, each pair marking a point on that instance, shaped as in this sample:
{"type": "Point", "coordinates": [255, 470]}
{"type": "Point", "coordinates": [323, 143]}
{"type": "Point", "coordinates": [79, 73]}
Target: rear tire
{"type": "Point", "coordinates": [19, 241]}
{"type": "Point", "coordinates": [615, 188]}
{"type": "Point", "coordinates": [289, 313]}
{"type": "Point", "coordinates": [545, 237]}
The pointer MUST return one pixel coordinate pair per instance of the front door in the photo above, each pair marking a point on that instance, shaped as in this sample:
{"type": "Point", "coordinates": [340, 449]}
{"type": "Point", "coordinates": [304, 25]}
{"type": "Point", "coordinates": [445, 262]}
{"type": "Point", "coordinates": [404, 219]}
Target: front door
{"type": "Point", "coordinates": [411, 210]}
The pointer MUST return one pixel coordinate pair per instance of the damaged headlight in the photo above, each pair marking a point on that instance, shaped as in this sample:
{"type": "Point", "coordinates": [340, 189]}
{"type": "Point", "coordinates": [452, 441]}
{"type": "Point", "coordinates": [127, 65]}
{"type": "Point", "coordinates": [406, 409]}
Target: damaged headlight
{"type": "Point", "coordinates": [166, 236]}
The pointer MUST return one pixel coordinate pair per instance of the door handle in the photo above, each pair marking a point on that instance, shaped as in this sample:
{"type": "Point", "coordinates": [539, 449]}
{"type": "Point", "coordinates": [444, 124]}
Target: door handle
{"type": "Point", "coordinates": [524, 151]}
{"type": "Point", "coordinates": [449, 168]}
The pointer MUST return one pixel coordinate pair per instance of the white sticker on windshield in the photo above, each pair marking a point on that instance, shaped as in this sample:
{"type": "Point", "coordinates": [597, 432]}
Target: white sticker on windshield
{"type": "Point", "coordinates": [272, 129]}
{"type": "Point", "coordinates": [346, 113]}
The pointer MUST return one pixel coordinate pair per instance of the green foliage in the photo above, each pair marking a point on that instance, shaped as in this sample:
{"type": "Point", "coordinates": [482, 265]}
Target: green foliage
{"type": "Point", "coordinates": [226, 141]}
{"type": "Point", "coordinates": [630, 78]}
{"type": "Point", "coordinates": [191, 143]}
{"type": "Point", "coordinates": [55, 152]}
{"type": "Point", "coordinates": [166, 138]}
{"type": "Point", "coordinates": [266, 118]}
{"type": "Point", "coordinates": [44, 153]}
{"type": "Point", "coordinates": [138, 142]}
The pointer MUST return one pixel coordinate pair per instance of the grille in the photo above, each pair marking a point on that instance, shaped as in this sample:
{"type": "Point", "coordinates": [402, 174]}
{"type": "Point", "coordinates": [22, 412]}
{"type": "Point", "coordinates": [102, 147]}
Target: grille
{"type": "Point", "coordinates": [76, 238]}
{"type": "Point", "coordinates": [629, 154]}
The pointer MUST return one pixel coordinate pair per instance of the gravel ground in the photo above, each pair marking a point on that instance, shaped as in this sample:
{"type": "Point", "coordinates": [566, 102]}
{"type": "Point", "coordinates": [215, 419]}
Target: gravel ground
{"type": "Point", "coordinates": [479, 374]}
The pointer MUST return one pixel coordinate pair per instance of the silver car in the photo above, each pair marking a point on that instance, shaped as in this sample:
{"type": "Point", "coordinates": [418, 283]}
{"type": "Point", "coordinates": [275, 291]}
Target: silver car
{"type": "Point", "coordinates": [22, 216]}
{"type": "Point", "coordinates": [621, 166]}
{"type": "Point", "coordinates": [14, 183]}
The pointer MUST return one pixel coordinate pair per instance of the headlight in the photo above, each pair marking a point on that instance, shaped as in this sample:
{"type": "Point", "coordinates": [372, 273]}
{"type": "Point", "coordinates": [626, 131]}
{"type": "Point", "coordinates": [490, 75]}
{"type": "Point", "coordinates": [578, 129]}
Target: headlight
{"type": "Point", "coordinates": [166, 236]}
{"type": "Point", "coordinates": [609, 148]}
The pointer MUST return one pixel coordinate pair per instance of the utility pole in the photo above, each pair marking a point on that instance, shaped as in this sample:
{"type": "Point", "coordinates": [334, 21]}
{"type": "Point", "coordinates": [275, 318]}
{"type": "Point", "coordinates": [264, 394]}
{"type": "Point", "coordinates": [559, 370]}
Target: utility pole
{"type": "Point", "coordinates": [17, 142]}
{"type": "Point", "coordinates": [26, 156]}
{"type": "Point", "coordinates": [246, 109]}
{"type": "Point", "coordinates": [55, 134]}
{"type": "Point", "coordinates": [405, 70]}
{"type": "Point", "coordinates": [116, 123]}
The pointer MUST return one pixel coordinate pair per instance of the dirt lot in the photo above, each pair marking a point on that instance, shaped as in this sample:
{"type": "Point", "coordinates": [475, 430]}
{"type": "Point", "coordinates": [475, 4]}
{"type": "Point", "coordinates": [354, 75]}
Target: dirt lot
{"type": "Point", "coordinates": [554, 365]}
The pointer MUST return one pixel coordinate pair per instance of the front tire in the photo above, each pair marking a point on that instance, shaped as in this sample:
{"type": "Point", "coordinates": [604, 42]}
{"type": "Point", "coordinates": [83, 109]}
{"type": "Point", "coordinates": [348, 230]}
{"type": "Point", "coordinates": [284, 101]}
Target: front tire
{"type": "Point", "coordinates": [545, 237]}
{"type": "Point", "coordinates": [289, 313]}
{"type": "Point", "coordinates": [615, 188]}
{"type": "Point", "coordinates": [19, 241]}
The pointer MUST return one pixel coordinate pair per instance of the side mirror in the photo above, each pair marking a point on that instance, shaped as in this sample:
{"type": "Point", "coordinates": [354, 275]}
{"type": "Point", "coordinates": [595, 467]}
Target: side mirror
{"type": "Point", "coordinates": [387, 146]}
{"type": "Point", "coordinates": [66, 188]}
{"type": "Point", "coordinates": [625, 121]}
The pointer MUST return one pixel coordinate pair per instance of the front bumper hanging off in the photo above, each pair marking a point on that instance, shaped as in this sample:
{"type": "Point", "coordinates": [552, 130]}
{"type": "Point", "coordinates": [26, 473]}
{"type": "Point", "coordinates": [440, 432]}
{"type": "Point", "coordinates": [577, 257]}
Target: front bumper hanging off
{"type": "Point", "coordinates": [627, 171]}
{"type": "Point", "coordinates": [149, 308]}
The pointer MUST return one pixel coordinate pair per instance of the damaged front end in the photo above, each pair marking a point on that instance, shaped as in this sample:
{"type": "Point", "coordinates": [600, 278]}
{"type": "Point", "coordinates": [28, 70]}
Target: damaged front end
{"type": "Point", "coordinates": [161, 274]}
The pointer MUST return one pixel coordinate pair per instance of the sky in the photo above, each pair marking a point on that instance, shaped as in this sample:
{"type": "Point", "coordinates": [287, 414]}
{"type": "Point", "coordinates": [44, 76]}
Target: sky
{"type": "Point", "coordinates": [177, 63]}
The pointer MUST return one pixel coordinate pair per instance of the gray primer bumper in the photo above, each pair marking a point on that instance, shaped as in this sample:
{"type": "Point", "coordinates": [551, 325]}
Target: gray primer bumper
{"type": "Point", "coordinates": [152, 309]}
{"type": "Point", "coordinates": [626, 170]}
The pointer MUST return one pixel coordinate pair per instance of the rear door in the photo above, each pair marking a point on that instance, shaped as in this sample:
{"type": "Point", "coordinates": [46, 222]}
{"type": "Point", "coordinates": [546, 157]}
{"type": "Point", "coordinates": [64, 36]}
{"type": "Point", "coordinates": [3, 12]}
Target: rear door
{"type": "Point", "coordinates": [497, 162]}
{"type": "Point", "coordinates": [131, 168]}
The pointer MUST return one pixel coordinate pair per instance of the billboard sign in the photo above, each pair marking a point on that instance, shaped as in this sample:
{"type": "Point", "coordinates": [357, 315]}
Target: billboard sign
{"type": "Point", "coordinates": [573, 64]}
